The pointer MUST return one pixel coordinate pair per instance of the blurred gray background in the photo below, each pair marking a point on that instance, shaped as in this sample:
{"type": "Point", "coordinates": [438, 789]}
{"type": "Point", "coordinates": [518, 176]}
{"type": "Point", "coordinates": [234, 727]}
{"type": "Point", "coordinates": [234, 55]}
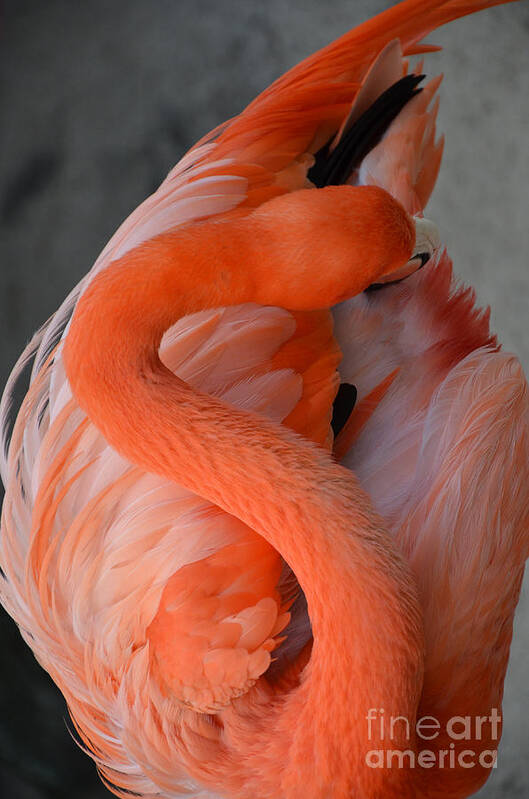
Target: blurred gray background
{"type": "Point", "coordinates": [100, 99]}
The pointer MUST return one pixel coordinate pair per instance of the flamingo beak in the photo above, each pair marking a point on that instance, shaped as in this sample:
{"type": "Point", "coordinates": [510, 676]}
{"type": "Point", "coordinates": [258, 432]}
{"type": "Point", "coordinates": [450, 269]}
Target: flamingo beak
{"type": "Point", "coordinates": [427, 241]}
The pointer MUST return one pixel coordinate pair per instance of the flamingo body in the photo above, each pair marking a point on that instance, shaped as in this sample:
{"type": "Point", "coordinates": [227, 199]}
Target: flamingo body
{"type": "Point", "coordinates": [220, 600]}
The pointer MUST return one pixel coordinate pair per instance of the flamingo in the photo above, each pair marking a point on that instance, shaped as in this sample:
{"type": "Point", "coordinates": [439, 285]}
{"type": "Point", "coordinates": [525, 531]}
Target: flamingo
{"type": "Point", "coordinates": [269, 483]}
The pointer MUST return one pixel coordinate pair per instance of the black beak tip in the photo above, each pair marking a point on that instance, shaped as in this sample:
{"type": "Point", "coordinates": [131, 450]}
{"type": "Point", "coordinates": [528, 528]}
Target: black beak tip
{"type": "Point", "coordinates": [424, 256]}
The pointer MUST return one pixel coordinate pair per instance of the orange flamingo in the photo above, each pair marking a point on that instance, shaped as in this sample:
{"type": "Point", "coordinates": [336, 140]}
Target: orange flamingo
{"type": "Point", "coordinates": [227, 609]}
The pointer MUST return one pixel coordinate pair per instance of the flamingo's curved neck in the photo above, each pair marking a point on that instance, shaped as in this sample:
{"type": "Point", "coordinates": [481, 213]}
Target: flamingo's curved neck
{"type": "Point", "coordinates": [367, 649]}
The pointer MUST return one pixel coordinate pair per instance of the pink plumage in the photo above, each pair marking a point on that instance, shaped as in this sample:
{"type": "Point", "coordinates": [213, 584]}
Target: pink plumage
{"type": "Point", "coordinates": [228, 640]}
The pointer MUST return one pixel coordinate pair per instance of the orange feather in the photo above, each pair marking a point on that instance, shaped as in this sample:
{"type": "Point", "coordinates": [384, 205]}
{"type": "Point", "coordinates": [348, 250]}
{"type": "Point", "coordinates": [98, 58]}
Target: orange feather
{"type": "Point", "coordinates": [219, 600]}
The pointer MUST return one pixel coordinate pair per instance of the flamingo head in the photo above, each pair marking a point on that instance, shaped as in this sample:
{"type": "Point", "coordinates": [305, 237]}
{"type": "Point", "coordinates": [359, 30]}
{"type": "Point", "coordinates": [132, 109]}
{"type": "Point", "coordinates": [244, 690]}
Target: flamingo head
{"type": "Point", "coordinates": [316, 248]}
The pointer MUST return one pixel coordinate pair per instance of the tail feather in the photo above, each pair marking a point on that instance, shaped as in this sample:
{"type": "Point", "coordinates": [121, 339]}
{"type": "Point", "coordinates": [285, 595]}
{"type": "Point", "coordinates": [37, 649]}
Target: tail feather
{"type": "Point", "coordinates": [407, 160]}
{"type": "Point", "coordinates": [346, 61]}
